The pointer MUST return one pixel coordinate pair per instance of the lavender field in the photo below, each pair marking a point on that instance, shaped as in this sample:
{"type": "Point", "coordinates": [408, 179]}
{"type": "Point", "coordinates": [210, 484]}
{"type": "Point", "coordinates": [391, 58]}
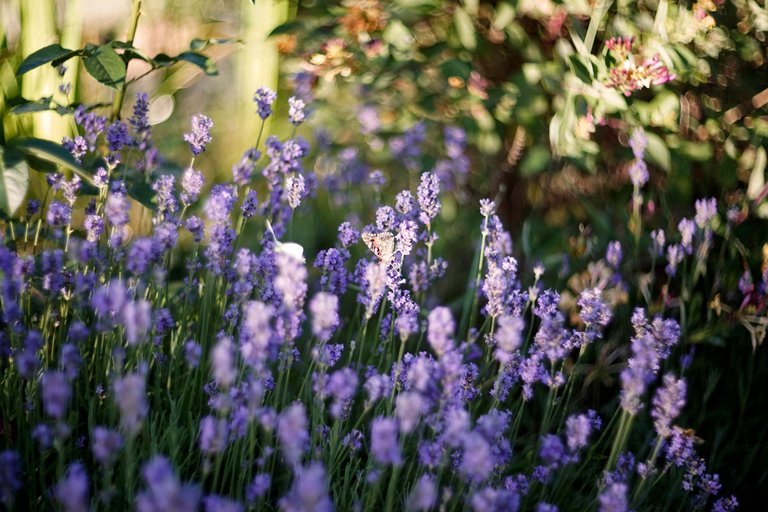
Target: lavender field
{"type": "Point", "coordinates": [364, 255]}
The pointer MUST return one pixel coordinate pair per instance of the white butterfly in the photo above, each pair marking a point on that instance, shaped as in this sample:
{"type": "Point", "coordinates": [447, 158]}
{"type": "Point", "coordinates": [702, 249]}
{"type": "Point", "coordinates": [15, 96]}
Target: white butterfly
{"type": "Point", "coordinates": [381, 244]}
{"type": "Point", "coordinates": [292, 249]}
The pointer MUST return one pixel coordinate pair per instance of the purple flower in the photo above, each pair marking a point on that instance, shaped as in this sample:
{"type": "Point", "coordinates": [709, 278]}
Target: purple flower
{"type": "Point", "coordinates": [56, 393]}
{"type": "Point", "coordinates": [59, 214]}
{"type": "Point", "coordinates": [476, 461]}
{"type": "Point", "coordinates": [192, 353]}
{"type": "Point", "coordinates": [409, 407]}
{"type": "Point", "coordinates": [498, 282]}
{"type": "Point", "coordinates": [296, 114]}
{"type": "Point", "coordinates": [264, 97]}
{"type": "Point", "coordinates": [552, 451]}
{"type": "Point", "coordinates": [78, 147]}
{"type": "Point", "coordinates": [427, 193]}
{"type": "Point", "coordinates": [509, 337]}
{"type": "Point", "coordinates": [131, 397]}
{"type": "Point", "coordinates": [341, 385]}
{"type": "Point", "coordinates": [309, 491]}
{"type": "Point", "coordinates": [546, 507]}
{"type": "Point", "coordinates": [613, 254]}
{"type": "Point", "coordinates": [213, 435]}
{"type": "Point", "coordinates": [369, 119]}
{"type": "Point", "coordinates": [117, 136]}
{"type": "Point", "coordinates": [136, 317]}
{"type": "Point", "coordinates": [164, 492]}
{"type": "Point", "coordinates": [667, 403]}
{"type": "Point", "coordinates": [196, 227]}
{"type": "Point", "coordinates": [325, 316]}
{"type": "Point", "coordinates": [686, 228]}
{"type": "Point", "coordinates": [191, 185]}
{"type": "Point", "coordinates": [577, 430]}
{"type": "Point", "coordinates": [706, 210]}
{"type": "Point", "coordinates": [200, 134]}
{"type": "Point", "coordinates": [117, 209]}
{"type": "Point", "coordinates": [223, 362]}
{"type": "Point", "coordinates": [487, 208]}
{"type": "Point", "coordinates": [674, 257]}
{"type": "Point", "coordinates": [293, 433]}
{"type": "Point", "coordinates": [258, 487]}
{"type": "Point", "coordinates": [440, 329]}
{"type": "Point", "coordinates": [424, 494]}
{"type": "Point", "coordinates": [215, 503]}
{"type": "Point", "coordinates": [10, 472]}
{"type": "Point", "coordinates": [105, 444]}
{"type": "Point", "coordinates": [348, 235]}
{"type": "Point", "coordinates": [726, 504]}
{"type": "Point", "coordinates": [614, 498]}
{"type": "Point", "coordinates": [70, 360]}
{"type": "Point", "coordinates": [404, 202]}
{"type": "Point", "coordinates": [384, 444]}
{"type": "Point", "coordinates": [594, 312]}
{"type": "Point", "coordinates": [72, 490]}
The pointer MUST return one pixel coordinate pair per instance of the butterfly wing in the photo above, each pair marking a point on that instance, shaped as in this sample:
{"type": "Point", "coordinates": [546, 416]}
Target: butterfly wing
{"type": "Point", "coordinates": [381, 244]}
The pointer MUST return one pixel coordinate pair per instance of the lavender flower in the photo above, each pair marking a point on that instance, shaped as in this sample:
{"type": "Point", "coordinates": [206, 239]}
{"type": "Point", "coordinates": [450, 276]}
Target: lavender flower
{"type": "Point", "coordinates": [325, 316]}
{"type": "Point", "coordinates": [408, 408]}
{"type": "Point", "coordinates": [200, 134]}
{"type": "Point", "coordinates": [667, 403]}
{"type": "Point", "coordinates": [509, 337]}
{"type": "Point", "coordinates": [296, 114]}
{"type": "Point", "coordinates": [59, 214]}
{"type": "Point", "coordinates": [215, 503]}
{"type": "Point", "coordinates": [440, 329]}
{"type": "Point", "coordinates": [614, 498]}
{"type": "Point", "coordinates": [131, 397]}
{"type": "Point", "coordinates": [347, 234]}
{"type": "Point", "coordinates": [309, 491]}
{"type": "Point", "coordinates": [577, 428]}
{"type": "Point", "coordinates": [137, 319]}
{"type": "Point", "coordinates": [213, 435]}
{"type": "Point", "coordinates": [476, 460]}
{"type": "Point", "coordinates": [706, 210]}
{"type": "Point", "coordinates": [72, 490]}
{"type": "Point", "coordinates": [264, 97]}
{"type": "Point", "coordinates": [105, 444]}
{"type": "Point", "coordinates": [56, 393]}
{"type": "Point", "coordinates": [613, 254]}
{"type": "Point", "coordinates": [424, 494]}
{"type": "Point", "coordinates": [427, 193]}
{"type": "Point", "coordinates": [258, 487]}
{"type": "Point", "coordinates": [191, 185]}
{"type": "Point", "coordinates": [223, 362]}
{"type": "Point", "coordinates": [384, 444]}
{"type": "Point", "coordinates": [292, 430]}
{"type": "Point", "coordinates": [164, 491]}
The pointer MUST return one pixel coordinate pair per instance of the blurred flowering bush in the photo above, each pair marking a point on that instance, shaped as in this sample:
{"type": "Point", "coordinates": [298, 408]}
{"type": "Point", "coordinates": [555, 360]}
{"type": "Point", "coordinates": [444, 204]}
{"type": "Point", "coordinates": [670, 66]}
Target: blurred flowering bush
{"type": "Point", "coordinates": [169, 343]}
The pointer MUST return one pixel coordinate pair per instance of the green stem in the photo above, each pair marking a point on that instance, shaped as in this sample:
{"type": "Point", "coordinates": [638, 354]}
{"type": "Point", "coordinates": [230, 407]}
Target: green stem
{"type": "Point", "coordinates": [117, 104]}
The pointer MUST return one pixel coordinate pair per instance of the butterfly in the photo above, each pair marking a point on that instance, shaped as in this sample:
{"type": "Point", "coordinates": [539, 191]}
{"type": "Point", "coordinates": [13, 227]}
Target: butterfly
{"type": "Point", "coordinates": [292, 249]}
{"type": "Point", "coordinates": [381, 244]}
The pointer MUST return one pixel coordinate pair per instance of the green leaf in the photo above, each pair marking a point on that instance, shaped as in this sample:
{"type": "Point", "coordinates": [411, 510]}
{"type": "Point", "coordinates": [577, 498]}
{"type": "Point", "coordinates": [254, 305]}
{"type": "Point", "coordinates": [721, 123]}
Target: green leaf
{"type": "Point", "coordinates": [24, 106]}
{"type": "Point", "coordinates": [199, 60]}
{"type": "Point", "coordinates": [658, 152]}
{"type": "Point", "coordinates": [50, 53]}
{"type": "Point", "coordinates": [131, 51]}
{"type": "Point", "coordinates": [582, 70]}
{"type": "Point", "coordinates": [142, 192]}
{"type": "Point", "coordinates": [105, 65]}
{"type": "Point", "coordinates": [465, 29]}
{"type": "Point", "coordinates": [50, 153]}
{"type": "Point", "coordinates": [14, 181]}
{"type": "Point", "coordinates": [286, 28]}
{"type": "Point", "coordinates": [202, 44]}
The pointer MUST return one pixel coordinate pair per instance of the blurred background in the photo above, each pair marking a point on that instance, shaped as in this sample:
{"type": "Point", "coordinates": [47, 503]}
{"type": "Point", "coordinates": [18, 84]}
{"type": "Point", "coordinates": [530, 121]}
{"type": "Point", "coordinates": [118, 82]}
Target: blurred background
{"type": "Point", "coordinates": [522, 101]}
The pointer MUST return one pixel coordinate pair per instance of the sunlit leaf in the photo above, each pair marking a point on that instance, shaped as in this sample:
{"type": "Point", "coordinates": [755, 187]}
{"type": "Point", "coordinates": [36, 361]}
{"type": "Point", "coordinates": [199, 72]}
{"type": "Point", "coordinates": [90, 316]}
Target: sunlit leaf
{"type": "Point", "coordinates": [14, 180]}
{"type": "Point", "coordinates": [105, 65]}
{"type": "Point", "coordinates": [50, 53]}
